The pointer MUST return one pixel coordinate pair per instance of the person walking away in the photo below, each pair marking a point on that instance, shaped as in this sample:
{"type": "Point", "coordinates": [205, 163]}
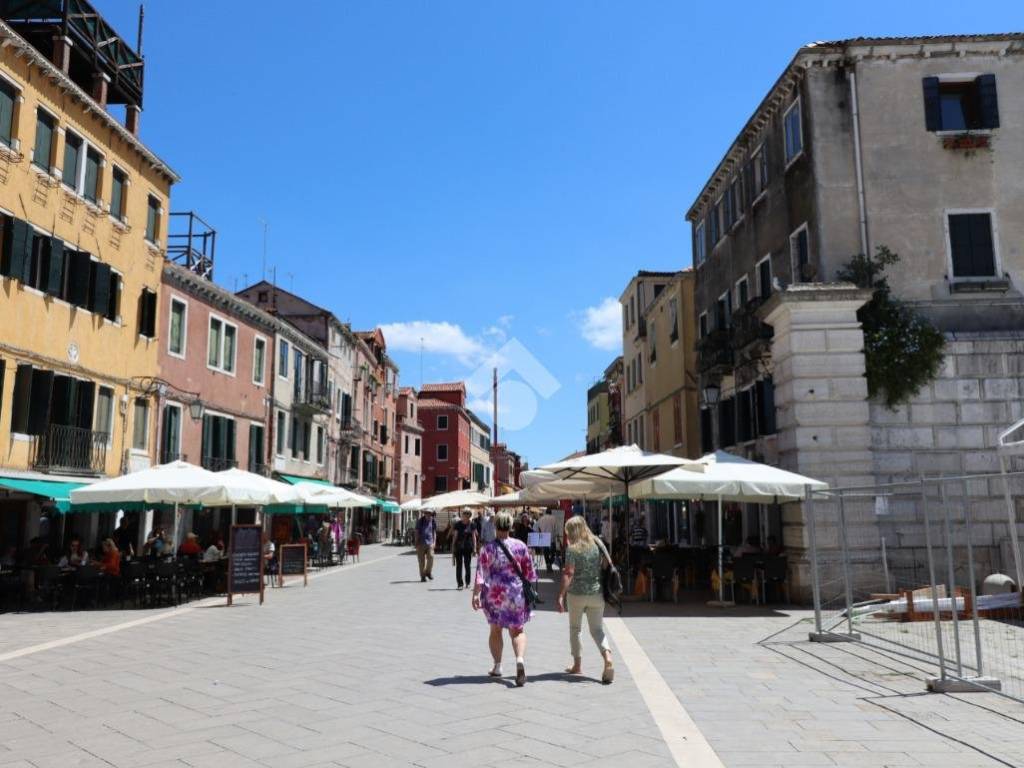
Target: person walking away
{"type": "Point", "coordinates": [426, 536]}
{"type": "Point", "coordinates": [581, 592]}
{"type": "Point", "coordinates": [504, 564]}
{"type": "Point", "coordinates": [523, 527]}
{"type": "Point", "coordinates": [549, 525]}
{"type": "Point", "coordinates": [463, 546]}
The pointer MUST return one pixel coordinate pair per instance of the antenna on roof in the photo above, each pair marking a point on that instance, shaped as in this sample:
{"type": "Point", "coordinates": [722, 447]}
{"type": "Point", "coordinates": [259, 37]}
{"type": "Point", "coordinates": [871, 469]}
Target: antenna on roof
{"type": "Point", "coordinates": [138, 39]}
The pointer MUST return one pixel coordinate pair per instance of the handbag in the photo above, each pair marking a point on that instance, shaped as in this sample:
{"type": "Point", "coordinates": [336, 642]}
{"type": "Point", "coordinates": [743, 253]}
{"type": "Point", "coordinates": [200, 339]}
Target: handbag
{"type": "Point", "coordinates": [611, 579]}
{"type": "Point", "coordinates": [529, 590]}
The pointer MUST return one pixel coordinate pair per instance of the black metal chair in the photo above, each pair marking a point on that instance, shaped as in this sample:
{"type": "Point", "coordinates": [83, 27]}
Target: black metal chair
{"type": "Point", "coordinates": [744, 572]}
{"type": "Point", "coordinates": [87, 582]}
{"type": "Point", "coordinates": [190, 578]}
{"type": "Point", "coordinates": [49, 586]}
{"type": "Point", "coordinates": [663, 571]}
{"type": "Point", "coordinates": [164, 582]}
{"type": "Point", "coordinates": [776, 572]}
{"type": "Point", "coordinates": [12, 591]}
{"type": "Point", "coordinates": [133, 582]}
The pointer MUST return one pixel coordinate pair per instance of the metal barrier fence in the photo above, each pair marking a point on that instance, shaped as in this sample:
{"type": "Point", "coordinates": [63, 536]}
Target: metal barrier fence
{"type": "Point", "coordinates": [928, 569]}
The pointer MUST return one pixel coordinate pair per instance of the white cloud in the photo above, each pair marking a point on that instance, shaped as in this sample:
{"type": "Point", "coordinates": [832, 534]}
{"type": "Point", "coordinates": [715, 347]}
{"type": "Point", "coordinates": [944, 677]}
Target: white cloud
{"type": "Point", "coordinates": [506, 320]}
{"type": "Point", "coordinates": [601, 325]}
{"type": "Point", "coordinates": [436, 338]}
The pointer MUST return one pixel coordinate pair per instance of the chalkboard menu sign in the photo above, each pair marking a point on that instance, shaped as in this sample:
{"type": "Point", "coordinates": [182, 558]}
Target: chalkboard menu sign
{"type": "Point", "coordinates": [245, 563]}
{"type": "Point", "coordinates": [292, 562]}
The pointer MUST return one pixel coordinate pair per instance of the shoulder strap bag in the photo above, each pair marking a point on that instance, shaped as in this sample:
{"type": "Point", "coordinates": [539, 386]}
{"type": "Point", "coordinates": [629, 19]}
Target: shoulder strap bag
{"type": "Point", "coordinates": [529, 590]}
{"type": "Point", "coordinates": [611, 579]}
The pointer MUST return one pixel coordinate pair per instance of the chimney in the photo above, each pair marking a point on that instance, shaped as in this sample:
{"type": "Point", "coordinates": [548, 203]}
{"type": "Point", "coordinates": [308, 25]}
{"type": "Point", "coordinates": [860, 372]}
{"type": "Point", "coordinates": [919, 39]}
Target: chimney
{"type": "Point", "coordinates": [62, 53]}
{"type": "Point", "coordinates": [100, 86]}
{"type": "Point", "coordinates": [132, 113]}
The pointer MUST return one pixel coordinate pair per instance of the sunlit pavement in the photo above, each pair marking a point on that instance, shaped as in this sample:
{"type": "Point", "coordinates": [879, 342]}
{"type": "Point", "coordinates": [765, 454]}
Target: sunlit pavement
{"type": "Point", "coordinates": [367, 666]}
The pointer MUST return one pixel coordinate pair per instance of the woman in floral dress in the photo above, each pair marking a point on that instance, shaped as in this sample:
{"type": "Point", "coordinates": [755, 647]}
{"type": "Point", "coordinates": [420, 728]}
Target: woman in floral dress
{"type": "Point", "coordinates": [498, 590]}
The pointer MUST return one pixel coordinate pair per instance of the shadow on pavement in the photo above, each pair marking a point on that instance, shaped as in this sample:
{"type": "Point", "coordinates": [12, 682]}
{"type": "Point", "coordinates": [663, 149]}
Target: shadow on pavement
{"type": "Point", "coordinates": [470, 680]}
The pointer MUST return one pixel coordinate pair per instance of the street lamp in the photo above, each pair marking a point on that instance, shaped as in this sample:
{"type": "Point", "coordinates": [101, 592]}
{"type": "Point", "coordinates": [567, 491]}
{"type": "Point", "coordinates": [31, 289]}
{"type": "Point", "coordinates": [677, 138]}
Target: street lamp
{"type": "Point", "coordinates": [195, 409]}
{"type": "Point", "coordinates": [712, 393]}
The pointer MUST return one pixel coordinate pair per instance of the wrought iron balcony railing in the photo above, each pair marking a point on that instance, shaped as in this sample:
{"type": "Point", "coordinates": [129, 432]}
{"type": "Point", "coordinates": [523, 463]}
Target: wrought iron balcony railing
{"type": "Point", "coordinates": [715, 351]}
{"type": "Point", "coordinates": [313, 397]}
{"type": "Point", "coordinates": [218, 463]}
{"type": "Point", "coordinates": [73, 450]}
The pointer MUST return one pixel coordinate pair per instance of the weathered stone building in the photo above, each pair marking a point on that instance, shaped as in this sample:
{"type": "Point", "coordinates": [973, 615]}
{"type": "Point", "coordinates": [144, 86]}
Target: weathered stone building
{"type": "Point", "coordinates": [915, 144]}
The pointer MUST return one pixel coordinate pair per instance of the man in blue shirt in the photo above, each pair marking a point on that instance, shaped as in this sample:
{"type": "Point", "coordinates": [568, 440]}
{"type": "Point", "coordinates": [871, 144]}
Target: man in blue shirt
{"type": "Point", "coordinates": [426, 534]}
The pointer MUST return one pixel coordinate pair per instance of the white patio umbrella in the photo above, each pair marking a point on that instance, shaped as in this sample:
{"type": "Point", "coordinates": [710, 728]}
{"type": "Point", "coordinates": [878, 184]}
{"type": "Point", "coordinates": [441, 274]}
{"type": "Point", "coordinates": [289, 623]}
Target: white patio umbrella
{"type": "Point", "coordinates": [332, 496]}
{"type": "Point", "coordinates": [412, 505]}
{"type": "Point", "coordinates": [626, 464]}
{"type": "Point", "coordinates": [277, 492]}
{"type": "Point", "coordinates": [727, 477]}
{"type": "Point", "coordinates": [455, 499]}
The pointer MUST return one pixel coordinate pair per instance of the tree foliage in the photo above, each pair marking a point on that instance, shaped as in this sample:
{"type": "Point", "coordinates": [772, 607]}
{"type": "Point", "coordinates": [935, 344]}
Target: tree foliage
{"type": "Point", "coordinates": [903, 351]}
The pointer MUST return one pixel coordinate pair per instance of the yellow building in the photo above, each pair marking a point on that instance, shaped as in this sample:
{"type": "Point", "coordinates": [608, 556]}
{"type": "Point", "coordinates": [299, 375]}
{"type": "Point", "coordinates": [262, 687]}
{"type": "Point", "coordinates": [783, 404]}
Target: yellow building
{"type": "Point", "coordinates": [603, 423]}
{"type": "Point", "coordinates": [82, 244]}
{"type": "Point", "coordinates": [670, 383]}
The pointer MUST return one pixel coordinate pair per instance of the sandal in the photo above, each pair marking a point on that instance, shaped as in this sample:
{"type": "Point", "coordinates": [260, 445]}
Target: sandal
{"type": "Point", "coordinates": [520, 675]}
{"type": "Point", "coordinates": [494, 673]}
{"type": "Point", "coordinates": [609, 674]}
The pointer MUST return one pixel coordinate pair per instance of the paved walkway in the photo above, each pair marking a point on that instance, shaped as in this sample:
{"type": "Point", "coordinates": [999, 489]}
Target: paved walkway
{"type": "Point", "coordinates": [369, 667]}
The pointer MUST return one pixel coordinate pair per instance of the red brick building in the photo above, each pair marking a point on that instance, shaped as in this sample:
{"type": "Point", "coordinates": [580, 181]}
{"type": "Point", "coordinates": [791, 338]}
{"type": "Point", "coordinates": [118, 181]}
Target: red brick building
{"type": "Point", "coordinates": [446, 462]}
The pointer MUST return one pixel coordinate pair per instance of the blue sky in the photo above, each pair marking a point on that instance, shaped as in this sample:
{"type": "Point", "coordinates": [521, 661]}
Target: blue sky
{"type": "Point", "coordinates": [471, 173]}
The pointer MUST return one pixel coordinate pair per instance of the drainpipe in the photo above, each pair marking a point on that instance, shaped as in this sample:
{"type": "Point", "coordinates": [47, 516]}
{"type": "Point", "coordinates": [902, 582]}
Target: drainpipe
{"type": "Point", "coordinates": [862, 208]}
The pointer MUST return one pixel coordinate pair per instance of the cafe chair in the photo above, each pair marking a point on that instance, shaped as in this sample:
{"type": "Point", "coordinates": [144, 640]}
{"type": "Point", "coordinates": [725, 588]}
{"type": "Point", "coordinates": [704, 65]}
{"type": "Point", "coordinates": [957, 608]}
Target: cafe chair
{"type": "Point", "coordinates": [133, 582]}
{"type": "Point", "coordinates": [87, 582]}
{"type": "Point", "coordinates": [744, 573]}
{"type": "Point", "coordinates": [352, 547]}
{"type": "Point", "coordinates": [165, 578]}
{"type": "Point", "coordinates": [49, 586]}
{"type": "Point", "coordinates": [663, 571]}
{"type": "Point", "coordinates": [776, 572]}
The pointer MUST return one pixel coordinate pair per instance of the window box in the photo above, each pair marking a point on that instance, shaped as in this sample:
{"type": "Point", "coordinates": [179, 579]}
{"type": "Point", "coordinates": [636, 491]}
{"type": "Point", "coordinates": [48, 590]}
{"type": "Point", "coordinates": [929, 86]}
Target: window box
{"type": "Point", "coordinates": [967, 141]}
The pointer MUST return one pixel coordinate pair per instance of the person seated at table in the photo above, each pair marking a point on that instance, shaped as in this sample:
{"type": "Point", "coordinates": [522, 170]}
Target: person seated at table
{"type": "Point", "coordinates": [190, 546]}
{"type": "Point", "coordinates": [155, 544]}
{"type": "Point", "coordinates": [214, 552]}
{"type": "Point", "coordinates": [774, 548]}
{"type": "Point", "coordinates": [110, 563]}
{"type": "Point", "coordinates": [76, 555]}
{"type": "Point", "coordinates": [750, 547]}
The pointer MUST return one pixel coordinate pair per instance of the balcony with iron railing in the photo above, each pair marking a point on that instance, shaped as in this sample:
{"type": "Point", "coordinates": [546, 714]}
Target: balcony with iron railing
{"type": "Point", "coordinates": [258, 468]}
{"type": "Point", "coordinates": [715, 351]}
{"type": "Point", "coordinates": [748, 328]}
{"type": "Point", "coordinates": [218, 463]}
{"type": "Point", "coordinates": [313, 398]}
{"type": "Point", "coordinates": [71, 450]}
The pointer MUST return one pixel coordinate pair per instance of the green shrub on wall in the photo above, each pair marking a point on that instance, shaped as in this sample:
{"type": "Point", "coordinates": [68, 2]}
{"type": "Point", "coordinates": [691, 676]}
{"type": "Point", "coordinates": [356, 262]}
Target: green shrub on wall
{"type": "Point", "coordinates": [903, 351]}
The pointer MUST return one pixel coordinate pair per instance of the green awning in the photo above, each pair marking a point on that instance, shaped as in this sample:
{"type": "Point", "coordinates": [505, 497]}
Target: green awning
{"type": "Point", "coordinates": [296, 479]}
{"type": "Point", "coordinates": [59, 491]}
{"type": "Point", "coordinates": [389, 506]}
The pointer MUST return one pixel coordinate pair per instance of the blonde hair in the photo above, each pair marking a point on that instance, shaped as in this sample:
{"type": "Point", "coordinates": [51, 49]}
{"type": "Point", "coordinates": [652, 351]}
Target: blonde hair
{"type": "Point", "coordinates": [503, 521]}
{"type": "Point", "coordinates": [578, 533]}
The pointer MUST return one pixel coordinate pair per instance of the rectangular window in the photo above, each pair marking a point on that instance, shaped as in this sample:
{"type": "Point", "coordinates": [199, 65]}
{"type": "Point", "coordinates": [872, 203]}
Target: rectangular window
{"type": "Point", "coordinates": [971, 244]}
{"type": "Point", "coordinates": [759, 165]}
{"type": "Point", "coordinates": [147, 313]}
{"type": "Point", "coordinates": [218, 442]}
{"type": "Point", "coordinates": [42, 152]}
{"type": "Point", "coordinates": [699, 244]}
{"type": "Point", "coordinates": [306, 431]}
{"type": "Point", "coordinates": [713, 222]}
{"type": "Point", "coordinates": [293, 437]}
{"type": "Point", "coordinates": [8, 97]}
{"type": "Point", "coordinates": [961, 104]}
{"type": "Point", "coordinates": [104, 411]}
{"type": "Point", "coordinates": [727, 422]}
{"type": "Point", "coordinates": [140, 424]}
{"type": "Point", "coordinates": [281, 429]}
{"type": "Point", "coordinates": [800, 254]}
{"type": "Point", "coordinates": [178, 328]}
{"type": "Point", "coordinates": [259, 356]}
{"type": "Point", "coordinates": [406, 444]}
{"type": "Point", "coordinates": [793, 129]}
{"type": "Point", "coordinates": [319, 445]}
{"type": "Point", "coordinates": [442, 452]}
{"type": "Point", "coordinates": [72, 159]}
{"type": "Point", "coordinates": [764, 394]}
{"type": "Point", "coordinates": [764, 277]}
{"type": "Point", "coordinates": [442, 421]}
{"type": "Point", "coordinates": [723, 311]}
{"type": "Point", "coordinates": [742, 292]}
{"type": "Point", "coordinates": [417, 452]}
{"type": "Point", "coordinates": [653, 345]}
{"type": "Point", "coordinates": [91, 186]}
{"type": "Point", "coordinates": [728, 211]}
{"type": "Point", "coordinates": [673, 319]}
{"type": "Point", "coordinates": [255, 447]}
{"type": "Point", "coordinates": [736, 192]}
{"type": "Point", "coordinates": [656, 428]}
{"type": "Point", "coordinates": [113, 310]}
{"type": "Point", "coordinates": [745, 415]}
{"type": "Point", "coordinates": [282, 359]}
{"type": "Point", "coordinates": [440, 483]}
{"type": "Point", "coordinates": [702, 324]}
{"type": "Point", "coordinates": [170, 435]}
{"type": "Point", "coordinates": [415, 484]}
{"type": "Point", "coordinates": [221, 346]}
{"type": "Point", "coordinates": [706, 441]}
{"type": "Point", "coordinates": [639, 370]}
{"type": "Point", "coordinates": [152, 219]}
{"type": "Point", "coordinates": [215, 343]}
{"type": "Point", "coordinates": [119, 180]}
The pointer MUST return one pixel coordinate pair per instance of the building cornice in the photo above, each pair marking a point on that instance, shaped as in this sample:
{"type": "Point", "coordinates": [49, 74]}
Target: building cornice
{"type": "Point", "coordinates": [189, 282]}
{"type": "Point", "coordinates": [10, 38]}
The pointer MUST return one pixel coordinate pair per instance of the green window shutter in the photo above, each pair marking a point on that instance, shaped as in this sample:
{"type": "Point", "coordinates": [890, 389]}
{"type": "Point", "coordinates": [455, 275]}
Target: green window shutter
{"type": "Point", "coordinates": [44, 141]}
{"type": "Point", "coordinates": [99, 296]}
{"type": "Point", "coordinates": [92, 176]}
{"type": "Point", "coordinates": [85, 404]}
{"type": "Point", "coordinates": [72, 152]}
{"type": "Point", "coordinates": [21, 249]}
{"type": "Point", "coordinates": [79, 273]}
{"type": "Point", "coordinates": [932, 104]}
{"type": "Point", "coordinates": [207, 438]}
{"type": "Point", "coordinates": [7, 97]}
{"type": "Point", "coordinates": [988, 104]}
{"type": "Point", "coordinates": [55, 280]}
{"type": "Point", "coordinates": [21, 399]}
{"type": "Point", "coordinates": [39, 405]}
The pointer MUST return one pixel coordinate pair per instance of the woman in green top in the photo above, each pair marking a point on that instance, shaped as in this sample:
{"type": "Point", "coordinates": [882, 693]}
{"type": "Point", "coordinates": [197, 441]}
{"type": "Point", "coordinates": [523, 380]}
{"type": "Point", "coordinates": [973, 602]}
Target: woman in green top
{"type": "Point", "coordinates": [581, 582]}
